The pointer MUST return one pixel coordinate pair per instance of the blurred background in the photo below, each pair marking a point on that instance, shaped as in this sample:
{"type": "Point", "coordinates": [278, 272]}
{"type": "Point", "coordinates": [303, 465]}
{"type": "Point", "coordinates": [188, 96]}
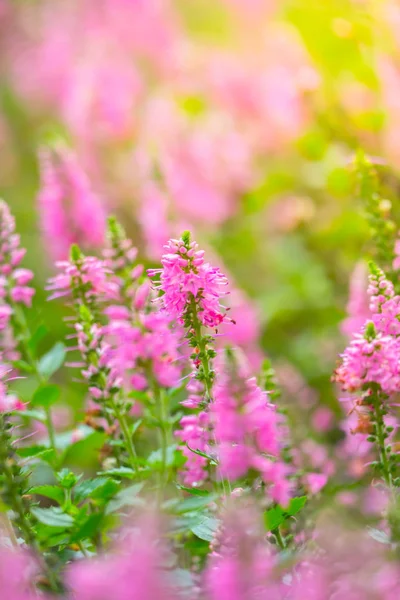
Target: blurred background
{"type": "Point", "coordinates": [237, 119]}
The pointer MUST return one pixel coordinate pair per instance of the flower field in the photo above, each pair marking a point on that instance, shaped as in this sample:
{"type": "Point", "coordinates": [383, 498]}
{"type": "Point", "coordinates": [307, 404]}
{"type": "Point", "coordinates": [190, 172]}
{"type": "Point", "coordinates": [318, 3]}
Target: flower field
{"type": "Point", "coordinates": [199, 300]}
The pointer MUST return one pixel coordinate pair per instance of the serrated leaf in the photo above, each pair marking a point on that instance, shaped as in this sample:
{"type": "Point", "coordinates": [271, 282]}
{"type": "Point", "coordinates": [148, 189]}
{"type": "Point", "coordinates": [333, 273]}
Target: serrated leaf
{"type": "Point", "coordinates": [126, 497]}
{"type": "Point", "coordinates": [52, 517]}
{"type": "Point", "coordinates": [52, 361]}
{"type": "Point", "coordinates": [206, 528]}
{"type": "Point", "coordinates": [46, 396]}
{"type": "Point", "coordinates": [273, 518]}
{"type": "Point", "coordinates": [49, 491]}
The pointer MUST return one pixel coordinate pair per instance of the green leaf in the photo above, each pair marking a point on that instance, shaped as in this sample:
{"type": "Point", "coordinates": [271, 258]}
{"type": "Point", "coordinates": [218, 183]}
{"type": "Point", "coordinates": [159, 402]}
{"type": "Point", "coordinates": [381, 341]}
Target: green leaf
{"type": "Point", "coordinates": [46, 454]}
{"type": "Point", "coordinates": [194, 503]}
{"type": "Point", "coordinates": [273, 518]}
{"type": "Point", "coordinates": [124, 472]}
{"type": "Point", "coordinates": [53, 517]}
{"type": "Point", "coordinates": [37, 415]}
{"type": "Point", "coordinates": [37, 336]}
{"type": "Point", "coordinates": [46, 396]}
{"type": "Point", "coordinates": [206, 528]}
{"type": "Point", "coordinates": [126, 497]}
{"type": "Point", "coordinates": [52, 361]}
{"type": "Point", "coordinates": [193, 491]}
{"type": "Point", "coordinates": [101, 487]}
{"type": "Point", "coordinates": [173, 458]}
{"type": "Point", "coordinates": [21, 365]}
{"type": "Point", "coordinates": [88, 528]}
{"type": "Point", "coordinates": [295, 505]}
{"type": "Point", "coordinates": [49, 491]}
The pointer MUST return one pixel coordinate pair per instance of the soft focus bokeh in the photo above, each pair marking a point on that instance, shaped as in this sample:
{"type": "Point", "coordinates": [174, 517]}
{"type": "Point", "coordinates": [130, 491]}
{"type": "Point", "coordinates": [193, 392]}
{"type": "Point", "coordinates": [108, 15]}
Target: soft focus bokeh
{"type": "Point", "coordinates": [237, 119]}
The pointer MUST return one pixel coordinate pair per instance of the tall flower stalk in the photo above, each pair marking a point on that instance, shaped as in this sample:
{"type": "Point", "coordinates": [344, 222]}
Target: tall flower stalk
{"type": "Point", "coordinates": [87, 280]}
{"type": "Point", "coordinates": [192, 290]}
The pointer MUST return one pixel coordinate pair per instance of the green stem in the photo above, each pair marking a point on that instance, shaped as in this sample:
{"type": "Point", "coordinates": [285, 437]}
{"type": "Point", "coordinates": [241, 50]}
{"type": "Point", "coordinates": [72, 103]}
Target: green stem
{"type": "Point", "coordinates": [127, 436]}
{"type": "Point", "coordinates": [202, 345]}
{"type": "Point", "coordinates": [381, 441]}
{"type": "Point", "coordinates": [279, 538]}
{"type": "Point", "coordinates": [24, 341]}
{"type": "Point", "coordinates": [14, 498]}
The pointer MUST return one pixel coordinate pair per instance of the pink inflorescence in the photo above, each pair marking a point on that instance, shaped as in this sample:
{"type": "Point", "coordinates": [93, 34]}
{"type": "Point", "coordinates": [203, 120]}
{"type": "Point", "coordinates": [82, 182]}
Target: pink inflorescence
{"type": "Point", "coordinates": [14, 282]}
{"type": "Point", "coordinates": [186, 277]}
{"type": "Point", "coordinates": [246, 428]}
{"type": "Point", "coordinates": [8, 402]}
{"type": "Point", "coordinates": [92, 275]}
{"type": "Point", "coordinates": [70, 212]}
{"type": "Point", "coordinates": [373, 355]}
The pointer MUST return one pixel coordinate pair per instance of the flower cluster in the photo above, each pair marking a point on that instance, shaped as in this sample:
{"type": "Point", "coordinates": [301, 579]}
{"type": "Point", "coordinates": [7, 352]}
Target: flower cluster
{"type": "Point", "coordinates": [373, 355]}
{"type": "Point", "coordinates": [186, 279]}
{"type": "Point", "coordinates": [70, 211]}
{"type": "Point", "coordinates": [246, 429]}
{"type": "Point", "coordinates": [14, 280]}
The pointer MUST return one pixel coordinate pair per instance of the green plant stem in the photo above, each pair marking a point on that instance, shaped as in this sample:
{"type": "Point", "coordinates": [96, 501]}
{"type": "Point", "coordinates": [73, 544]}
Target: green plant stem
{"type": "Point", "coordinates": [202, 345]}
{"type": "Point", "coordinates": [381, 441]}
{"type": "Point", "coordinates": [24, 341]}
{"type": "Point", "coordinates": [279, 538]}
{"type": "Point", "coordinates": [126, 435]}
{"type": "Point", "coordinates": [21, 511]}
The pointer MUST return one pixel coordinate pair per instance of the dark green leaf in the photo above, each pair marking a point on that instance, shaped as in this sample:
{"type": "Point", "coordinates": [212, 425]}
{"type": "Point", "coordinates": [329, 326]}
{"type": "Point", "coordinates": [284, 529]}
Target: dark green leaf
{"type": "Point", "coordinates": [95, 488]}
{"type": "Point", "coordinates": [88, 528]}
{"type": "Point", "coordinates": [295, 505]}
{"type": "Point", "coordinates": [52, 361]}
{"type": "Point", "coordinates": [37, 336]}
{"type": "Point", "coordinates": [273, 518]}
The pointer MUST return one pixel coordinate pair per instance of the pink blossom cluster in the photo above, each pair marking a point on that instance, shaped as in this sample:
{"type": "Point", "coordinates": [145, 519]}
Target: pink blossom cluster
{"type": "Point", "coordinates": [246, 429]}
{"type": "Point", "coordinates": [70, 211]}
{"type": "Point", "coordinates": [13, 279]}
{"type": "Point", "coordinates": [373, 354]}
{"type": "Point", "coordinates": [186, 278]}
{"type": "Point", "coordinates": [8, 402]}
{"type": "Point", "coordinates": [143, 345]}
{"type": "Point", "coordinates": [133, 571]}
{"type": "Point", "coordinates": [195, 434]}
{"type": "Point", "coordinates": [14, 282]}
{"type": "Point", "coordinates": [90, 277]}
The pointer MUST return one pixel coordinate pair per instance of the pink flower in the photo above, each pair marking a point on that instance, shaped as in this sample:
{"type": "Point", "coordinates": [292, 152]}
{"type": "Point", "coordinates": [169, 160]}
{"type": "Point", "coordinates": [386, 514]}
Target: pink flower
{"type": "Point", "coordinates": [186, 277]}
{"type": "Point", "coordinates": [70, 212]}
{"type": "Point", "coordinates": [315, 482]}
{"type": "Point", "coordinates": [91, 274]}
